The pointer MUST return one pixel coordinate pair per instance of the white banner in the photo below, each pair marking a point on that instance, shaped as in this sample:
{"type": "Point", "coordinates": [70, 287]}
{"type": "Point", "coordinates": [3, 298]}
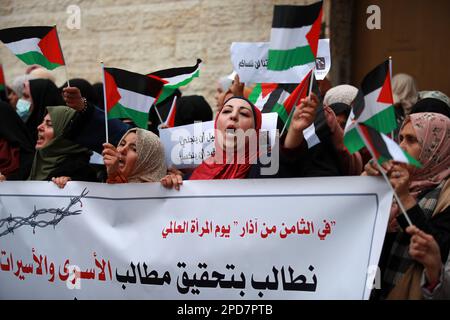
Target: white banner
{"type": "Point", "coordinates": [187, 146]}
{"type": "Point", "coordinates": [323, 59]}
{"type": "Point", "coordinates": [249, 60]}
{"type": "Point", "coordinates": [237, 239]}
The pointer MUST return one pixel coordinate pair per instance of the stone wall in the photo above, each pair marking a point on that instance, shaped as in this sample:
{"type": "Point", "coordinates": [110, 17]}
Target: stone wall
{"type": "Point", "coordinates": [145, 35]}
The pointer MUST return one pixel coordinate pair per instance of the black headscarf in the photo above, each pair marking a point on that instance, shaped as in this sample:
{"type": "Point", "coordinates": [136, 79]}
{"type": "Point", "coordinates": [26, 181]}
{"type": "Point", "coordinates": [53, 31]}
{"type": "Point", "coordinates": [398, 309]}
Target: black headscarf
{"type": "Point", "coordinates": [431, 105]}
{"type": "Point", "coordinates": [192, 109]}
{"type": "Point", "coordinates": [14, 131]}
{"type": "Point", "coordinates": [340, 108]}
{"type": "Point", "coordinates": [86, 89]}
{"type": "Point", "coordinates": [44, 93]}
{"type": "Point", "coordinates": [98, 88]}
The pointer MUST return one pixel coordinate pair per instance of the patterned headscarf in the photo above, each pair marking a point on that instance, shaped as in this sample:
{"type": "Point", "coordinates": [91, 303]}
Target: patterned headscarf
{"type": "Point", "coordinates": [433, 135]}
{"type": "Point", "coordinates": [435, 95]}
{"type": "Point", "coordinates": [150, 164]}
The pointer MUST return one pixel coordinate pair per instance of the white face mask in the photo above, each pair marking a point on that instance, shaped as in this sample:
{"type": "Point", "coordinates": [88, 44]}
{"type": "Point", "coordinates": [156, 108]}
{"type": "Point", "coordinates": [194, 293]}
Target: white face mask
{"type": "Point", "coordinates": [23, 109]}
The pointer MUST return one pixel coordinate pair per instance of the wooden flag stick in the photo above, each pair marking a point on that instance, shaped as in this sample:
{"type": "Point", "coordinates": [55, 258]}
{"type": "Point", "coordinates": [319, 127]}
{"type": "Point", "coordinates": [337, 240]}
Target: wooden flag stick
{"type": "Point", "coordinates": [171, 108]}
{"type": "Point", "coordinates": [104, 101]}
{"type": "Point", "coordinates": [293, 109]}
{"type": "Point", "coordinates": [159, 116]}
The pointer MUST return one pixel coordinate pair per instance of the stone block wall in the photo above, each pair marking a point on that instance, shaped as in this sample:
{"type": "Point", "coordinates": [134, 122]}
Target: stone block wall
{"type": "Point", "coordinates": [144, 35]}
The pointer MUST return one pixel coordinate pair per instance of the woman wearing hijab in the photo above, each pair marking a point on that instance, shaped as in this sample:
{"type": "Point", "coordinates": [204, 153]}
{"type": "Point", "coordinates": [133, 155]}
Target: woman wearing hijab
{"type": "Point", "coordinates": [236, 114]}
{"type": "Point", "coordinates": [57, 158]}
{"type": "Point", "coordinates": [37, 95]}
{"type": "Point", "coordinates": [16, 146]}
{"type": "Point", "coordinates": [337, 106]}
{"type": "Point", "coordinates": [424, 192]}
{"type": "Point", "coordinates": [405, 93]}
{"type": "Point", "coordinates": [236, 158]}
{"type": "Point", "coordinates": [431, 105]}
{"type": "Point", "coordinates": [139, 157]}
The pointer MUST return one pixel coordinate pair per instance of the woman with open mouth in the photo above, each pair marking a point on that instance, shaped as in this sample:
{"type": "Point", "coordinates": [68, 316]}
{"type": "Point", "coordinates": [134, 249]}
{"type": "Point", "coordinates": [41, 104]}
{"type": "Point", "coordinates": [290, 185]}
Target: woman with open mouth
{"type": "Point", "coordinates": [237, 149]}
{"type": "Point", "coordinates": [57, 158]}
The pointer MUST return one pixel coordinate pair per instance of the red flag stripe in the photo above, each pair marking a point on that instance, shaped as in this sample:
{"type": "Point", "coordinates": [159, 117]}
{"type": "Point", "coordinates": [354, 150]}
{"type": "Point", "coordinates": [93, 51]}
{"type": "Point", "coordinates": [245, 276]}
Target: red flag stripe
{"type": "Point", "coordinates": [50, 47]}
{"type": "Point", "coordinates": [112, 94]}
{"type": "Point", "coordinates": [386, 91]}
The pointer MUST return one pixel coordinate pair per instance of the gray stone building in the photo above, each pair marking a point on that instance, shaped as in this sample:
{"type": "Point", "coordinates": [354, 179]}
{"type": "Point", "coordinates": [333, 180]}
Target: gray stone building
{"type": "Point", "coordinates": [148, 35]}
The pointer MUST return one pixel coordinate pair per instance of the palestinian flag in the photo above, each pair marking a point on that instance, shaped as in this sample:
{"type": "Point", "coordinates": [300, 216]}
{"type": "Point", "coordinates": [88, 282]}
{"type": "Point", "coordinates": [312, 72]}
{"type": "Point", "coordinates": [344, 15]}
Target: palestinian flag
{"type": "Point", "coordinates": [295, 36]}
{"type": "Point", "coordinates": [170, 121]}
{"type": "Point", "coordinates": [261, 93]}
{"type": "Point", "coordinates": [383, 148]}
{"type": "Point", "coordinates": [282, 99]}
{"type": "Point", "coordinates": [373, 106]}
{"type": "Point", "coordinates": [279, 98]}
{"type": "Point", "coordinates": [34, 45]}
{"type": "Point", "coordinates": [176, 77]}
{"type": "Point", "coordinates": [300, 92]}
{"type": "Point", "coordinates": [2, 79]}
{"type": "Point", "coordinates": [130, 95]}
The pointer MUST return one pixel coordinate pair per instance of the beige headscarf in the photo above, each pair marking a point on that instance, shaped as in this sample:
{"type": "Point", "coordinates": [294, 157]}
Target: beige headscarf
{"type": "Point", "coordinates": [150, 164]}
{"type": "Point", "coordinates": [404, 91]}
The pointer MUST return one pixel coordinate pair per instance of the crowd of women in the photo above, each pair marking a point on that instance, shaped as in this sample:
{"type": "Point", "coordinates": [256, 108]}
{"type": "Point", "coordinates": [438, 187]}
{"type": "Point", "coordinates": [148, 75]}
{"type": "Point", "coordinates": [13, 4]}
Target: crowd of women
{"type": "Point", "coordinates": [48, 134]}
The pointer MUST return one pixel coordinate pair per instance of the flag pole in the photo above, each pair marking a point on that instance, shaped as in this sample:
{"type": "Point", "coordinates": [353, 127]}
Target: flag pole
{"type": "Point", "coordinates": [62, 53]}
{"type": "Point", "coordinates": [390, 79]}
{"type": "Point", "coordinates": [104, 101]}
{"type": "Point", "coordinates": [311, 80]}
{"type": "Point", "coordinates": [171, 109]}
{"type": "Point", "coordinates": [159, 116]}
{"type": "Point", "coordinates": [372, 153]}
{"type": "Point", "coordinates": [293, 109]}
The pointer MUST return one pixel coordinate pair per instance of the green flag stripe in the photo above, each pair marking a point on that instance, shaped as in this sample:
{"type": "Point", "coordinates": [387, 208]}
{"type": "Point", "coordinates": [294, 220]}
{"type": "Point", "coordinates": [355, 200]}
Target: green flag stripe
{"type": "Point", "coordinates": [412, 161]}
{"type": "Point", "coordinates": [353, 141]}
{"type": "Point", "coordinates": [2, 87]}
{"type": "Point", "coordinates": [285, 59]}
{"type": "Point", "coordinates": [168, 90]}
{"type": "Point", "coordinates": [256, 92]}
{"type": "Point", "coordinates": [119, 111]}
{"type": "Point", "coordinates": [184, 82]}
{"type": "Point", "coordinates": [34, 57]}
{"type": "Point", "coordinates": [278, 108]}
{"type": "Point", "coordinates": [383, 121]}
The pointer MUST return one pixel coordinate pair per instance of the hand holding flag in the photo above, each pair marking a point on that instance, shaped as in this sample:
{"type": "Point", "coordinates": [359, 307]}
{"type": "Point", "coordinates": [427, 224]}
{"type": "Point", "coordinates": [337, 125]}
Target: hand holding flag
{"type": "Point", "coordinates": [384, 149]}
{"type": "Point", "coordinates": [304, 113]}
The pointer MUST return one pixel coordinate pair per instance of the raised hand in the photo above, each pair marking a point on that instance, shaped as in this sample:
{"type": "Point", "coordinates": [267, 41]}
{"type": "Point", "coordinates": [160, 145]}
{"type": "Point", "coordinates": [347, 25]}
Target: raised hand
{"type": "Point", "coordinates": [111, 159]}
{"type": "Point", "coordinates": [72, 97]}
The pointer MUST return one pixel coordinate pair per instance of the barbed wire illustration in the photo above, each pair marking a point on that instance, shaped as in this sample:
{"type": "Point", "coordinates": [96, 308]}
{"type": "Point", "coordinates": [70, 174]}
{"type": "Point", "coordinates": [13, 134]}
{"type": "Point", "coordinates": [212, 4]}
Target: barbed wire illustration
{"type": "Point", "coordinates": [13, 223]}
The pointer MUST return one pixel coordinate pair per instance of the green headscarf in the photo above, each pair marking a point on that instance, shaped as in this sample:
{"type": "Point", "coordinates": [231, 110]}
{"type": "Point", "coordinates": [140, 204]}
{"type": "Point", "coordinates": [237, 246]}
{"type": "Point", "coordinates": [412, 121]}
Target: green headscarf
{"type": "Point", "coordinates": [57, 150]}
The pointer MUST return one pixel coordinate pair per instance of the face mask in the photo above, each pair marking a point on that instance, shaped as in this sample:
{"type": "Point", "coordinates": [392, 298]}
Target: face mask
{"type": "Point", "coordinates": [23, 109]}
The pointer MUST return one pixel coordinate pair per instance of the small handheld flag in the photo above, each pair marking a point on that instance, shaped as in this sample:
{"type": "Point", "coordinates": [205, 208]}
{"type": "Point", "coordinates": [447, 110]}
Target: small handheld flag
{"type": "Point", "coordinates": [176, 77]}
{"type": "Point", "coordinates": [34, 45]}
{"type": "Point", "coordinates": [130, 95]}
{"type": "Point", "coordinates": [295, 36]}
{"type": "Point", "coordinates": [373, 106]}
